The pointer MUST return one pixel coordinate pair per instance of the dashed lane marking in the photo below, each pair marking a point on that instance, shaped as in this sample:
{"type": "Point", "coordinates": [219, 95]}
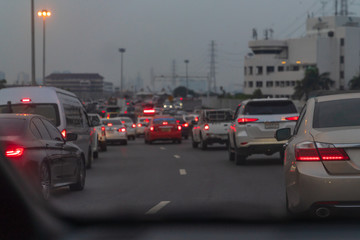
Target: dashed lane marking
{"type": "Point", "coordinates": [176, 156]}
{"type": "Point", "coordinates": [157, 207]}
{"type": "Point", "coordinates": [182, 171]}
{"type": "Point", "coordinates": [162, 148]}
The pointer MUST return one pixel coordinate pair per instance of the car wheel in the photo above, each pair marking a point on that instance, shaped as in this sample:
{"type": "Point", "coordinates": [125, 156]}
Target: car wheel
{"type": "Point", "coordinates": [186, 137]}
{"type": "Point", "coordinates": [80, 184]}
{"type": "Point", "coordinates": [179, 141]}
{"type": "Point", "coordinates": [203, 143]}
{"type": "Point", "coordinates": [96, 154]}
{"type": "Point", "coordinates": [239, 158]}
{"type": "Point", "coordinates": [45, 181]}
{"type": "Point", "coordinates": [282, 155]}
{"type": "Point", "coordinates": [125, 142]}
{"type": "Point", "coordinates": [194, 144]}
{"type": "Point", "coordinates": [103, 146]}
{"type": "Point", "coordinates": [231, 153]}
{"type": "Point", "coordinates": [90, 159]}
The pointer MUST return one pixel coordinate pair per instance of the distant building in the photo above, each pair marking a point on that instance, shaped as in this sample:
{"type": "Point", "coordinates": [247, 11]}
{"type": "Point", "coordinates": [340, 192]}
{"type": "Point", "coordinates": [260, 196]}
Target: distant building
{"type": "Point", "coordinates": [23, 79]}
{"type": "Point", "coordinates": [331, 44]}
{"type": "Point", "coordinates": [84, 85]}
{"type": "Point", "coordinates": [108, 88]}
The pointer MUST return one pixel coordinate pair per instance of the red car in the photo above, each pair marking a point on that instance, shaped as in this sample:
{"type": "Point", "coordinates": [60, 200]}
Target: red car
{"type": "Point", "coordinates": [163, 128]}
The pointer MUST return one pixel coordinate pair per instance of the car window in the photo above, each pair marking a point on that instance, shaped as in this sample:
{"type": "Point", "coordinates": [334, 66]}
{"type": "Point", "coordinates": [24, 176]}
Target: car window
{"type": "Point", "coordinates": [42, 129]}
{"type": "Point", "coordinates": [337, 113]}
{"type": "Point", "coordinates": [34, 130]}
{"type": "Point", "coordinates": [50, 111]}
{"type": "Point", "coordinates": [73, 116]}
{"type": "Point", "coordinates": [12, 127]}
{"type": "Point", "coordinates": [300, 120]}
{"type": "Point", "coordinates": [113, 122]}
{"type": "Point", "coordinates": [218, 116]}
{"type": "Point", "coordinates": [54, 132]}
{"type": "Point", "coordinates": [161, 120]}
{"type": "Point", "coordinates": [269, 107]}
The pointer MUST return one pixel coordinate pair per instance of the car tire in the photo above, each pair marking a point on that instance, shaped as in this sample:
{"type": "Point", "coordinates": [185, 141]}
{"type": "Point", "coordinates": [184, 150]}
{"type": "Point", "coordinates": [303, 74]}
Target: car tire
{"type": "Point", "coordinates": [102, 146]}
{"type": "Point", "coordinates": [186, 137]}
{"type": "Point", "coordinates": [179, 141]}
{"type": "Point", "coordinates": [239, 158]}
{"type": "Point", "coordinates": [125, 142]}
{"type": "Point", "coordinates": [80, 184]}
{"type": "Point", "coordinates": [96, 154]}
{"type": "Point", "coordinates": [194, 144]}
{"type": "Point", "coordinates": [45, 181]}
{"type": "Point", "coordinates": [203, 143]}
{"type": "Point", "coordinates": [231, 153]}
{"type": "Point", "coordinates": [90, 159]}
{"type": "Point", "coordinates": [282, 155]}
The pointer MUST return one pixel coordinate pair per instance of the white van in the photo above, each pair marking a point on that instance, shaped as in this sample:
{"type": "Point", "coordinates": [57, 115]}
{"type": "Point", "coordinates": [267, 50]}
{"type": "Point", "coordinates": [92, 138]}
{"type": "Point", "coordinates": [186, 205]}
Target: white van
{"type": "Point", "coordinates": [61, 107]}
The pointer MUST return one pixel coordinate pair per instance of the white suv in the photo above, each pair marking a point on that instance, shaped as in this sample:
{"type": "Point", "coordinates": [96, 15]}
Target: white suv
{"type": "Point", "coordinates": [254, 124]}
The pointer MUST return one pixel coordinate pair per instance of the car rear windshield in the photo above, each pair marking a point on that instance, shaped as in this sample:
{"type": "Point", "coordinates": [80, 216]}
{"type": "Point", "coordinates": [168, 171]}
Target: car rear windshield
{"type": "Point", "coordinates": [126, 120]}
{"type": "Point", "coordinates": [337, 113]}
{"type": "Point", "coordinates": [161, 120]}
{"type": "Point", "coordinates": [113, 109]}
{"type": "Point", "coordinates": [219, 116]}
{"type": "Point", "coordinates": [269, 107]}
{"type": "Point", "coordinates": [50, 111]}
{"type": "Point", "coordinates": [114, 122]}
{"type": "Point", "coordinates": [12, 127]}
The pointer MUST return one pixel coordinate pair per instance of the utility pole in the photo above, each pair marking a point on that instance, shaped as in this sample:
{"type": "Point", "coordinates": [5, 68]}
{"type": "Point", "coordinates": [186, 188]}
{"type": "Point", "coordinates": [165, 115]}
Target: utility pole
{"type": "Point", "coordinates": [33, 79]}
{"type": "Point", "coordinates": [212, 64]}
{"type": "Point", "coordinates": [344, 8]}
{"type": "Point", "coordinates": [152, 78]}
{"type": "Point", "coordinates": [173, 69]}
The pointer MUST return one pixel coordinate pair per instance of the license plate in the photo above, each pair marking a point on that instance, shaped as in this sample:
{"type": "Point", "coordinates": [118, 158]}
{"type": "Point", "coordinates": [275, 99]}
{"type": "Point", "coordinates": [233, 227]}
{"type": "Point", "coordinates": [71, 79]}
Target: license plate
{"type": "Point", "coordinates": [165, 129]}
{"type": "Point", "coordinates": [271, 125]}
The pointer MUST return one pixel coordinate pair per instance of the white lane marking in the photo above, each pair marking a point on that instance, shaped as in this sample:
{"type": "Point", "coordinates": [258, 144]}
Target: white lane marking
{"type": "Point", "coordinates": [157, 207]}
{"type": "Point", "coordinates": [182, 171]}
{"type": "Point", "coordinates": [176, 156]}
{"type": "Point", "coordinates": [162, 148]}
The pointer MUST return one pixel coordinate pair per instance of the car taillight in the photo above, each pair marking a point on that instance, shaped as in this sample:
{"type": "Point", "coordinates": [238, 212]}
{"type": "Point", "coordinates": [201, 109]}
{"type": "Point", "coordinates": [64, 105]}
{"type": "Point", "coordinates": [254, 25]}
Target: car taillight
{"type": "Point", "coordinates": [139, 125]}
{"type": "Point", "coordinates": [246, 120]}
{"type": "Point", "coordinates": [122, 129]}
{"type": "Point", "coordinates": [295, 118]}
{"type": "Point", "coordinates": [125, 112]}
{"type": "Point", "coordinates": [196, 119]}
{"type": "Point", "coordinates": [63, 133]}
{"type": "Point", "coordinates": [14, 152]}
{"type": "Point", "coordinates": [152, 129]}
{"type": "Point", "coordinates": [109, 124]}
{"type": "Point", "coordinates": [165, 123]}
{"type": "Point", "coordinates": [25, 100]}
{"type": "Point", "coordinates": [206, 127]}
{"type": "Point", "coordinates": [149, 111]}
{"type": "Point", "coordinates": [308, 151]}
{"type": "Point", "coordinates": [133, 126]}
{"type": "Point", "coordinates": [103, 131]}
{"type": "Point", "coordinates": [185, 125]}
{"type": "Point", "coordinates": [179, 128]}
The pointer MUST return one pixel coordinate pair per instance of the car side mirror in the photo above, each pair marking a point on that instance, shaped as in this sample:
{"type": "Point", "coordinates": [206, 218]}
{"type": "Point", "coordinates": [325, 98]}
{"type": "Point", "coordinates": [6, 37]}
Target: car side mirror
{"type": "Point", "coordinates": [71, 137]}
{"type": "Point", "coordinates": [283, 134]}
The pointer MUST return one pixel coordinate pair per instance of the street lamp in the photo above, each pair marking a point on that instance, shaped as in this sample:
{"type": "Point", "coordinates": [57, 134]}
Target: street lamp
{"type": "Point", "coordinates": [44, 14]}
{"type": "Point", "coordinates": [33, 82]}
{"type": "Point", "coordinates": [122, 50]}
{"type": "Point", "coordinates": [187, 78]}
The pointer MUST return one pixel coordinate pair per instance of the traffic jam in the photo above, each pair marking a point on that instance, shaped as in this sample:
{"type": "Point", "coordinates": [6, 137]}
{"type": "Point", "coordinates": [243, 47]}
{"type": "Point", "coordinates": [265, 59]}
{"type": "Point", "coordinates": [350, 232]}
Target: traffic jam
{"type": "Point", "coordinates": [52, 138]}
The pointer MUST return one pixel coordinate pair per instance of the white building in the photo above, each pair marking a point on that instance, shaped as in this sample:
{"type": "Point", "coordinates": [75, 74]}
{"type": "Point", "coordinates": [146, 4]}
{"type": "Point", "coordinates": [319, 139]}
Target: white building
{"type": "Point", "coordinates": [331, 43]}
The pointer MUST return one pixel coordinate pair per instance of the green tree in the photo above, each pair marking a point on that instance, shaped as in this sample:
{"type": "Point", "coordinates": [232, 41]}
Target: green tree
{"type": "Point", "coordinates": [312, 81]}
{"type": "Point", "coordinates": [354, 83]}
{"type": "Point", "coordinates": [181, 92]}
{"type": "Point", "coordinates": [2, 83]}
{"type": "Point", "coordinates": [257, 93]}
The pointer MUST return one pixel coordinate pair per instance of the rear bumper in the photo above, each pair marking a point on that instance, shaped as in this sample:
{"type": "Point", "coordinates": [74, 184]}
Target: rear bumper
{"type": "Point", "coordinates": [309, 186]}
{"type": "Point", "coordinates": [216, 138]}
{"type": "Point", "coordinates": [164, 136]}
{"type": "Point", "coordinates": [260, 146]}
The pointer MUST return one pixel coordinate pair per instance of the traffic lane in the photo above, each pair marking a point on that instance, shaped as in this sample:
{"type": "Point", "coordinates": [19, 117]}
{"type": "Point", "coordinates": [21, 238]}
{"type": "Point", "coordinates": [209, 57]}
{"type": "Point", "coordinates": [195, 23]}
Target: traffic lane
{"type": "Point", "coordinates": [124, 178]}
{"type": "Point", "coordinates": [175, 178]}
{"type": "Point", "coordinates": [216, 186]}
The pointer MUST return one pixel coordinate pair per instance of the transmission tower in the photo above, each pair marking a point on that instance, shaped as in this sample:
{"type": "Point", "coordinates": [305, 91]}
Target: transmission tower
{"type": "Point", "coordinates": [344, 8]}
{"type": "Point", "coordinates": [212, 65]}
{"type": "Point", "coordinates": [173, 70]}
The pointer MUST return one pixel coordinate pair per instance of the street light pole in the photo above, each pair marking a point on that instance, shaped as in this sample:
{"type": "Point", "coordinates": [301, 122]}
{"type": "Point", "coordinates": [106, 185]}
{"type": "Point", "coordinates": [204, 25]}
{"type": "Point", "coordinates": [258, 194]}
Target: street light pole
{"type": "Point", "coordinates": [122, 50]}
{"type": "Point", "coordinates": [187, 77]}
{"type": "Point", "coordinates": [33, 81]}
{"type": "Point", "coordinates": [44, 14]}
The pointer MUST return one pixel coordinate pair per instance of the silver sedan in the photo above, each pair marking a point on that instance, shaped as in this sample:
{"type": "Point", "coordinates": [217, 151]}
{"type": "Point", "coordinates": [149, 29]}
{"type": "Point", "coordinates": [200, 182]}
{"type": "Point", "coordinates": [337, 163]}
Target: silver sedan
{"type": "Point", "coordinates": [322, 157]}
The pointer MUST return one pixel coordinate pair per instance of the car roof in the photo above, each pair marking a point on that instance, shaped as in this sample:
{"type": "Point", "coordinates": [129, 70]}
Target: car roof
{"type": "Point", "coordinates": [337, 97]}
{"type": "Point", "coordinates": [265, 100]}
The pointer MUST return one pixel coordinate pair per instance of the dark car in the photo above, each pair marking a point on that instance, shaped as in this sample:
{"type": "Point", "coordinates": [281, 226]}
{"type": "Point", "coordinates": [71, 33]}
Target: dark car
{"type": "Point", "coordinates": [37, 149]}
{"type": "Point", "coordinates": [185, 127]}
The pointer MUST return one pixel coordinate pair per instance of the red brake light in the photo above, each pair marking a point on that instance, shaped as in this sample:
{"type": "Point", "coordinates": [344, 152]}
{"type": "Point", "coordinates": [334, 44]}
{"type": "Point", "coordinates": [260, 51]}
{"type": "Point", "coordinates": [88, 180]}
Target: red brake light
{"type": "Point", "coordinates": [177, 121]}
{"type": "Point", "coordinates": [125, 112]}
{"type": "Point", "coordinates": [151, 129]}
{"type": "Point", "coordinates": [122, 129]}
{"type": "Point", "coordinates": [149, 111]}
{"type": "Point", "coordinates": [247, 120]}
{"type": "Point", "coordinates": [109, 124]}
{"type": "Point", "coordinates": [307, 151]}
{"type": "Point", "coordinates": [103, 111]}
{"type": "Point", "coordinates": [123, 122]}
{"type": "Point", "coordinates": [196, 119]}
{"type": "Point", "coordinates": [139, 125]}
{"type": "Point", "coordinates": [102, 128]}
{"type": "Point", "coordinates": [206, 127]}
{"type": "Point", "coordinates": [63, 133]}
{"type": "Point", "coordinates": [14, 152]}
{"type": "Point", "coordinates": [181, 99]}
{"type": "Point", "coordinates": [165, 123]}
{"type": "Point", "coordinates": [179, 128]}
{"type": "Point", "coordinates": [295, 118]}
{"type": "Point", "coordinates": [133, 126]}
{"type": "Point", "coordinates": [185, 125]}
{"type": "Point", "coordinates": [25, 100]}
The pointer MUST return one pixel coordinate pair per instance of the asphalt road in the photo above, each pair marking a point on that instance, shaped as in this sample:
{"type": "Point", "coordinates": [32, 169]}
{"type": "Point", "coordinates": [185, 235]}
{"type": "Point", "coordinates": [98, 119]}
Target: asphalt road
{"type": "Point", "coordinates": [175, 179]}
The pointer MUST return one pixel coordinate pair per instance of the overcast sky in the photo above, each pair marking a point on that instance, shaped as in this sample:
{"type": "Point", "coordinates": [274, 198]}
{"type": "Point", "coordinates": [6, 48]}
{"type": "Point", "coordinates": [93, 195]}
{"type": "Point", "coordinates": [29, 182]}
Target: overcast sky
{"type": "Point", "coordinates": [84, 35]}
